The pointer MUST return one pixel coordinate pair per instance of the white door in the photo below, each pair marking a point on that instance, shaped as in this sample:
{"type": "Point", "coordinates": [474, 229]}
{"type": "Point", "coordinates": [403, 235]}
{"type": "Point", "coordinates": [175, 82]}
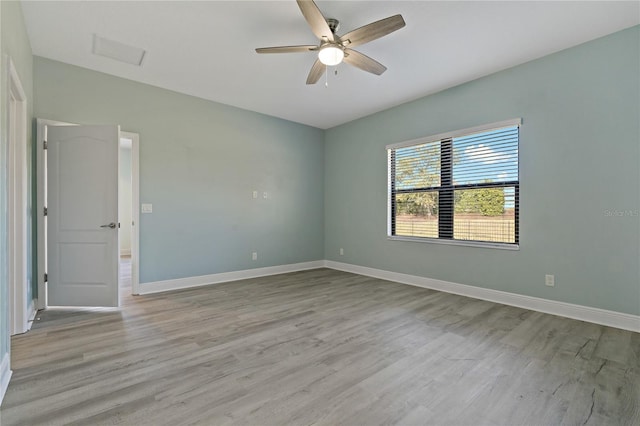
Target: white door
{"type": "Point", "coordinates": [82, 216]}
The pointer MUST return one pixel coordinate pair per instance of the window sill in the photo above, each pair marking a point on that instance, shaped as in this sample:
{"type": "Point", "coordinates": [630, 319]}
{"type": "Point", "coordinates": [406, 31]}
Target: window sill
{"type": "Point", "coordinates": [498, 246]}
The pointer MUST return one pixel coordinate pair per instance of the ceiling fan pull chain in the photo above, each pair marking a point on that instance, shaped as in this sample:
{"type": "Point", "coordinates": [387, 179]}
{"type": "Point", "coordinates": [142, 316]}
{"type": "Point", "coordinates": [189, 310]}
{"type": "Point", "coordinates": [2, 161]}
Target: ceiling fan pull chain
{"type": "Point", "coordinates": [326, 75]}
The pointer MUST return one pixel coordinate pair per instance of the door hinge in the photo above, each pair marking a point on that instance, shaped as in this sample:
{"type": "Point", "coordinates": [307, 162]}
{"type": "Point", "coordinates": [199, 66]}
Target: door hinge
{"type": "Point", "coordinates": [118, 225]}
{"type": "Point", "coordinates": [45, 145]}
{"type": "Point", "coordinates": [46, 278]}
{"type": "Point", "coordinates": [46, 211]}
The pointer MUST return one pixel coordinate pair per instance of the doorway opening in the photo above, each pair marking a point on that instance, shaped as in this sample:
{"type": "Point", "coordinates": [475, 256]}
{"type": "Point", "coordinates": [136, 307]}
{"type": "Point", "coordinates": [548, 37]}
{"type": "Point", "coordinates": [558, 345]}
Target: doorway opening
{"type": "Point", "coordinates": [127, 213]}
{"type": "Point", "coordinates": [128, 151]}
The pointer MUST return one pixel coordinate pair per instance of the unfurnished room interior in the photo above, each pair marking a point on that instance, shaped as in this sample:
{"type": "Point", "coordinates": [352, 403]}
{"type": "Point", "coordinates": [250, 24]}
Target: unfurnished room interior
{"type": "Point", "coordinates": [330, 213]}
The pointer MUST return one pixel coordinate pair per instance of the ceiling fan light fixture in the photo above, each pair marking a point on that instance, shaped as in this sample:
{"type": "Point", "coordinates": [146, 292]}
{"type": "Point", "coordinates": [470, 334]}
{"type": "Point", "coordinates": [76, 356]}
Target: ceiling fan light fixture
{"type": "Point", "coordinates": [333, 48]}
{"type": "Point", "coordinates": [330, 55]}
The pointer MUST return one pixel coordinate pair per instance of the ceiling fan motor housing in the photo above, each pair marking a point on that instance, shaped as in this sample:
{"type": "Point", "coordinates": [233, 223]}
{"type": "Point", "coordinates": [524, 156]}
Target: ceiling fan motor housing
{"type": "Point", "coordinates": [334, 24]}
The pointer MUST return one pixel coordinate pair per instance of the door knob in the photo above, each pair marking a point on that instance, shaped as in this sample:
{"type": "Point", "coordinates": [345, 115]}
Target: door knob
{"type": "Point", "coordinates": [111, 225]}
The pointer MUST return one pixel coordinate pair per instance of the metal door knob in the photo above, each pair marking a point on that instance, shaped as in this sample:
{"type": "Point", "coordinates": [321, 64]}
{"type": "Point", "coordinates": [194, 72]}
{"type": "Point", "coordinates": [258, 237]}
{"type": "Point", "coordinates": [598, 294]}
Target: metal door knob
{"type": "Point", "coordinates": [111, 225]}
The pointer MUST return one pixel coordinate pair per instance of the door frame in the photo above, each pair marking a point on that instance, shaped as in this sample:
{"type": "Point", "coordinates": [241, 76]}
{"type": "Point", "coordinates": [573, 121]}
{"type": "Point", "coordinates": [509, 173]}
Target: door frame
{"type": "Point", "coordinates": [42, 197]}
{"type": "Point", "coordinates": [22, 310]}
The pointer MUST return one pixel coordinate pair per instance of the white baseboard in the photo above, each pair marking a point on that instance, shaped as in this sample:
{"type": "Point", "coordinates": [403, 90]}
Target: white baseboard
{"type": "Point", "coordinates": [579, 312]}
{"type": "Point", "coordinates": [31, 314]}
{"type": "Point", "coordinates": [27, 319]}
{"type": "Point", "coordinates": [5, 376]}
{"type": "Point", "coordinates": [125, 252]}
{"type": "Point", "coordinates": [188, 282]}
{"type": "Point", "coordinates": [569, 310]}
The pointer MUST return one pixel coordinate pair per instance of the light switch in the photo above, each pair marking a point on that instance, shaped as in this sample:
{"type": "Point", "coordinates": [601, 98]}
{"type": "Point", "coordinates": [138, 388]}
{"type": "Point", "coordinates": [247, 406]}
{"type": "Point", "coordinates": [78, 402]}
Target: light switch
{"type": "Point", "coordinates": [147, 208]}
{"type": "Point", "coordinates": [255, 194]}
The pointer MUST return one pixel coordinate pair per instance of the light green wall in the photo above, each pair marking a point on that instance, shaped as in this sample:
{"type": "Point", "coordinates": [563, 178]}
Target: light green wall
{"type": "Point", "coordinates": [199, 163]}
{"type": "Point", "coordinates": [201, 160]}
{"type": "Point", "coordinates": [579, 159]}
{"type": "Point", "coordinates": [15, 45]}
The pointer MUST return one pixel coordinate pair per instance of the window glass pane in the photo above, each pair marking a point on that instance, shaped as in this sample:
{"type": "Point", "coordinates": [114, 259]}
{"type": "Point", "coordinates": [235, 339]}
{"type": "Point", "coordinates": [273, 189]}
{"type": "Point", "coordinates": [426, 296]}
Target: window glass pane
{"type": "Point", "coordinates": [417, 214]}
{"type": "Point", "coordinates": [418, 166]}
{"type": "Point", "coordinates": [463, 188]}
{"type": "Point", "coordinates": [486, 157]}
{"type": "Point", "coordinates": [485, 214]}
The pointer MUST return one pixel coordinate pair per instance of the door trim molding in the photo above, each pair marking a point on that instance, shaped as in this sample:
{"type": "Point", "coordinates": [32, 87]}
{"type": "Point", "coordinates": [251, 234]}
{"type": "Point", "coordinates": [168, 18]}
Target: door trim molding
{"type": "Point", "coordinates": [17, 197]}
{"type": "Point", "coordinates": [5, 375]}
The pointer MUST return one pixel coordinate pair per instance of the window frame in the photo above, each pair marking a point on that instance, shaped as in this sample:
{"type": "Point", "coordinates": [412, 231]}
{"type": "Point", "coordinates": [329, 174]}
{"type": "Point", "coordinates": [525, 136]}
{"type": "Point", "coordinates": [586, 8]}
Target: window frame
{"type": "Point", "coordinates": [447, 138]}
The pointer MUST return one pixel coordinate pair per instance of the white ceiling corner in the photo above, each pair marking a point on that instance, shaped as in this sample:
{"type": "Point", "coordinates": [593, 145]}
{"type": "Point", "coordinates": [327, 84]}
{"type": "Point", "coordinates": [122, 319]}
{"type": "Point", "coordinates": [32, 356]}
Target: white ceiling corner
{"type": "Point", "coordinates": [206, 48]}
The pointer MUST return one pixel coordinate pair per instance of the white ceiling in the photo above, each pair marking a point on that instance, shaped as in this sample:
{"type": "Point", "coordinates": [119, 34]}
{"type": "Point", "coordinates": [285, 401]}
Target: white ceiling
{"type": "Point", "coordinates": [206, 48]}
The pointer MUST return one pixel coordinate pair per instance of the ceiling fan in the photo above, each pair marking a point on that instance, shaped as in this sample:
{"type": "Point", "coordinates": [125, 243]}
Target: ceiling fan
{"type": "Point", "coordinates": [333, 48]}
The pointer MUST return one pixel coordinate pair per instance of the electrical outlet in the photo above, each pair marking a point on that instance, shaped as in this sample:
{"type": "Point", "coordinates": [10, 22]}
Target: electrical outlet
{"type": "Point", "coordinates": [254, 255]}
{"type": "Point", "coordinates": [549, 280]}
{"type": "Point", "coordinates": [265, 195]}
{"type": "Point", "coordinates": [341, 251]}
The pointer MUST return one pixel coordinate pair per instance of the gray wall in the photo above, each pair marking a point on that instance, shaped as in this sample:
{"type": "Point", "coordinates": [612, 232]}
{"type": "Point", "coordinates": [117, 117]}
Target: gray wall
{"type": "Point", "coordinates": [15, 44]}
{"type": "Point", "coordinates": [579, 164]}
{"type": "Point", "coordinates": [199, 163]}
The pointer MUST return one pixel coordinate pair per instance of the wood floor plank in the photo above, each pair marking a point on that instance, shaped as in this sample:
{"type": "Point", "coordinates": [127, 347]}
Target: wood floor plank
{"type": "Point", "coordinates": [319, 347]}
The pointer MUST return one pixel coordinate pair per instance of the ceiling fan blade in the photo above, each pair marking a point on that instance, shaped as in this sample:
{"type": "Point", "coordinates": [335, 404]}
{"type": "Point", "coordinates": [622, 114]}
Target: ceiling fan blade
{"type": "Point", "coordinates": [373, 31]}
{"type": "Point", "coordinates": [316, 72]}
{"type": "Point", "coordinates": [287, 49]}
{"type": "Point", "coordinates": [315, 19]}
{"type": "Point", "coordinates": [362, 61]}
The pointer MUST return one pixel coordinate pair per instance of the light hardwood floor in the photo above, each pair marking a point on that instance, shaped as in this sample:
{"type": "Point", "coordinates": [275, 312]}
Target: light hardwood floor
{"type": "Point", "coordinates": [320, 347]}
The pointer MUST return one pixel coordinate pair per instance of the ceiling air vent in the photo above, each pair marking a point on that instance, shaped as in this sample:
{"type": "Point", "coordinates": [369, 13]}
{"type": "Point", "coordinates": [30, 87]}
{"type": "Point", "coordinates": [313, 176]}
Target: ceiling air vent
{"type": "Point", "coordinates": [118, 51]}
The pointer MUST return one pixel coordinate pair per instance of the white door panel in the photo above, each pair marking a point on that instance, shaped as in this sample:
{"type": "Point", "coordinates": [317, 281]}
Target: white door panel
{"type": "Point", "coordinates": [82, 174]}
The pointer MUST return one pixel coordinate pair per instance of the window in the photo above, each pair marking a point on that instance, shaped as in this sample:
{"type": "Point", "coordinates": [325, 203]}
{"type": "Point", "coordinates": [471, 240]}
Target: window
{"type": "Point", "coordinates": [461, 186]}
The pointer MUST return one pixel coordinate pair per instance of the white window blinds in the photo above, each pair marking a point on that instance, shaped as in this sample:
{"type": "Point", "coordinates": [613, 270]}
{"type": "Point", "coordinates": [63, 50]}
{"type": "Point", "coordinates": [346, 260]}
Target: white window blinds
{"type": "Point", "coordinates": [462, 187]}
